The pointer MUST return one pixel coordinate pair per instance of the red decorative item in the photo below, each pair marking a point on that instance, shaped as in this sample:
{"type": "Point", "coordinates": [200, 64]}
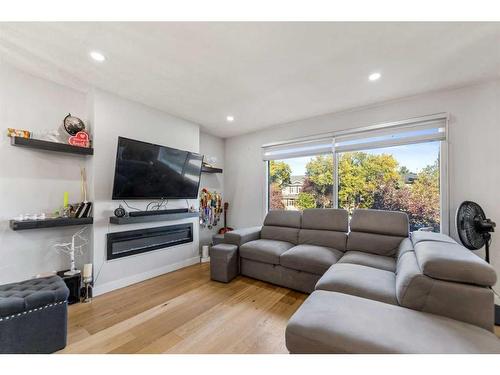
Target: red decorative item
{"type": "Point", "coordinates": [80, 139]}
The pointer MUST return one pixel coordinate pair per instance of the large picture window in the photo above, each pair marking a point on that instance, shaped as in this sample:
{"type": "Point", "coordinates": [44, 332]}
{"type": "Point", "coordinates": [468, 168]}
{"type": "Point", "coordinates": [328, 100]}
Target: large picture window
{"type": "Point", "coordinates": [398, 167]}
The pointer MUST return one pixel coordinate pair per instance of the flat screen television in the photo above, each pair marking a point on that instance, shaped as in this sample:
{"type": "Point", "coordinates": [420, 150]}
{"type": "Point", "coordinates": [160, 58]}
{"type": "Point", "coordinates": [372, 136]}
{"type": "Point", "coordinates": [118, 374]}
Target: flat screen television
{"type": "Point", "coordinates": [148, 171]}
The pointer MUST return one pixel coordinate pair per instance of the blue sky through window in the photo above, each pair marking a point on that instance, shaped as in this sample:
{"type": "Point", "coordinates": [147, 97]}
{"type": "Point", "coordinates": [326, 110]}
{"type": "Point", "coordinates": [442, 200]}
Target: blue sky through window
{"type": "Point", "coordinates": [413, 156]}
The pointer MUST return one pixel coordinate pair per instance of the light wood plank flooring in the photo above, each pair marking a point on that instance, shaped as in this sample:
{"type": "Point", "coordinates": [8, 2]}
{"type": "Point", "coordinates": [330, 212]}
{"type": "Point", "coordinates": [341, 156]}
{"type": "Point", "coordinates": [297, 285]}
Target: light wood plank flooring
{"type": "Point", "coordinates": [184, 312]}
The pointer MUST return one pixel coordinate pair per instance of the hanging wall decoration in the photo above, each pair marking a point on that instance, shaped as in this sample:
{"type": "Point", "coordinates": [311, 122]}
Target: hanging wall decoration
{"type": "Point", "coordinates": [210, 208]}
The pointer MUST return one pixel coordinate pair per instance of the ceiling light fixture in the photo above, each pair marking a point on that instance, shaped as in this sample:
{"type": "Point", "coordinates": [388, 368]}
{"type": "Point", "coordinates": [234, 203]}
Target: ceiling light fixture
{"type": "Point", "coordinates": [229, 118]}
{"type": "Point", "coordinates": [374, 76]}
{"type": "Point", "coordinates": [97, 56]}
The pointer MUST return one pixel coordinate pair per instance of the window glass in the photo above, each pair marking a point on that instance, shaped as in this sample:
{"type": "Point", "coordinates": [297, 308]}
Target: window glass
{"type": "Point", "coordinates": [299, 183]}
{"type": "Point", "coordinates": [401, 178]}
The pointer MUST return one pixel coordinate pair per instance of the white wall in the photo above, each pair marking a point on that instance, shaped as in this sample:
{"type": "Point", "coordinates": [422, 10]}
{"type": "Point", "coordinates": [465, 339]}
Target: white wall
{"type": "Point", "coordinates": [474, 131]}
{"type": "Point", "coordinates": [113, 117]}
{"type": "Point", "coordinates": [212, 146]}
{"type": "Point", "coordinates": [34, 181]}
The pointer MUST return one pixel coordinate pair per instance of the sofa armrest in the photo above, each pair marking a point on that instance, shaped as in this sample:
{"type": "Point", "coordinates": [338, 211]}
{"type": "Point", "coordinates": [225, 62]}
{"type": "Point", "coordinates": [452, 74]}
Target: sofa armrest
{"type": "Point", "coordinates": [240, 236]}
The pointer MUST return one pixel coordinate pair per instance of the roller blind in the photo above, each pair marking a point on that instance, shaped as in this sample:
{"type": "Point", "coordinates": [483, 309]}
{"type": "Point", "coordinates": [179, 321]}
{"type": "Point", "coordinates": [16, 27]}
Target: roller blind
{"type": "Point", "coordinates": [417, 130]}
{"type": "Point", "coordinates": [298, 149]}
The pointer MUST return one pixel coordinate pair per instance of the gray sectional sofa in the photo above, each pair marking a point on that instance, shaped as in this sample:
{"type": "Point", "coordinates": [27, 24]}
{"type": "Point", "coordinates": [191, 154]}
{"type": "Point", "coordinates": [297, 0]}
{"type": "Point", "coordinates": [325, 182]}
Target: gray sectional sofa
{"type": "Point", "coordinates": [375, 288]}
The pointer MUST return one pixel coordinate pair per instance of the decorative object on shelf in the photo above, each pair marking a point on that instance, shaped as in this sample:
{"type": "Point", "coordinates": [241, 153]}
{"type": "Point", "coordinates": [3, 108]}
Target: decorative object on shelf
{"type": "Point", "coordinates": [210, 208]}
{"type": "Point", "coordinates": [77, 135]}
{"type": "Point", "coordinates": [66, 208]}
{"type": "Point", "coordinates": [120, 211]}
{"type": "Point", "coordinates": [70, 126]}
{"type": "Point", "coordinates": [86, 291]}
{"type": "Point", "coordinates": [211, 161]}
{"type": "Point", "coordinates": [27, 217]}
{"type": "Point", "coordinates": [225, 228]}
{"type": "Point", "coordinates": [81, 139]}
{"type": "Point", "coordinates": [84, 208]}
{"type": "Point", "coordinates": [77, 244]}
{"type": "Point", "coordinates": [73, 125]}
{"type": "Point", "coordinates": [11, 132]}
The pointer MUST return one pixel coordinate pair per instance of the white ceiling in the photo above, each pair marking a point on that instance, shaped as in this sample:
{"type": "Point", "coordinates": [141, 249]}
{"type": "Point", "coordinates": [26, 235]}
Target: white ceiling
{"type": "Point", "coordinates": [261, 73]}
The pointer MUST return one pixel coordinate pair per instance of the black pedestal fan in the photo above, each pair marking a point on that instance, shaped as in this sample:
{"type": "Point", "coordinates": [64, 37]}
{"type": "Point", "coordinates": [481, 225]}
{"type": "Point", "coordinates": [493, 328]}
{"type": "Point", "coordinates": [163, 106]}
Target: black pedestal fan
{"type": "Point", "coordinates": [474, 230]}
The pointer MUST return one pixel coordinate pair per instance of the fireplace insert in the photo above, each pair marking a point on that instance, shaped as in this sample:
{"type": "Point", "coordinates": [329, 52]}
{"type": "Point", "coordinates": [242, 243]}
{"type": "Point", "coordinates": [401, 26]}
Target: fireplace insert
{"type": "Point", "coordinates": [123, 244]}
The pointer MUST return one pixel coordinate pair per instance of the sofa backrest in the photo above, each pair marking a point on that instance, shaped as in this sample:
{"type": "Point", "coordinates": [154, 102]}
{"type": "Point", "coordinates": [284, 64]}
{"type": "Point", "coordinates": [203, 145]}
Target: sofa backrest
{"type": "Point", "coordinates": [377, 232]}
{"type": "Point", "coordinates": [442, 277]}
{"type": "Point", "coordinates": [324, 227]}
{"type": "Point", "coordinates": [282, 226]}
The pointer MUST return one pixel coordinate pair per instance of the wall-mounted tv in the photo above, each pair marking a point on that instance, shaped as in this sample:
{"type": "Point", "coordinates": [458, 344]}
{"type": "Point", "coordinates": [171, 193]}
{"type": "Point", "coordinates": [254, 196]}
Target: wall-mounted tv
{"type": "Point", "coordinates": [148, 171]}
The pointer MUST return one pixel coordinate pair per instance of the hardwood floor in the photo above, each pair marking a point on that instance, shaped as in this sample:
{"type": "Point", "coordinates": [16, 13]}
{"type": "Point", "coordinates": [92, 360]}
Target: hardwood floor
{"type": "Point", "coordinates": [184, 312]}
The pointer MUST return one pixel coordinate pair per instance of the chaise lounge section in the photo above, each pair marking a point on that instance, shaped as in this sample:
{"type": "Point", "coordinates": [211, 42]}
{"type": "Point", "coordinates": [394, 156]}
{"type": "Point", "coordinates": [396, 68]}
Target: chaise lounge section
{"type": "Point", "coordinates": [374, 287]}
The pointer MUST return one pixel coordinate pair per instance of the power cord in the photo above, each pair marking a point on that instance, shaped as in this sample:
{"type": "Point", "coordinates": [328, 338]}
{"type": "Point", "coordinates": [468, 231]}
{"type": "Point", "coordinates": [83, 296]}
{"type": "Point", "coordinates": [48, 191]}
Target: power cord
{"type": "Point", "coordinates": [157, 205]}
{"type": "Point", "coordinates": [132, 208]}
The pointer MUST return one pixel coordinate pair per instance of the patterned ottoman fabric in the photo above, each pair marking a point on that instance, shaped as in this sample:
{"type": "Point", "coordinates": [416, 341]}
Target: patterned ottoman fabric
{"type": "Point", "coordinates": [31, 294]}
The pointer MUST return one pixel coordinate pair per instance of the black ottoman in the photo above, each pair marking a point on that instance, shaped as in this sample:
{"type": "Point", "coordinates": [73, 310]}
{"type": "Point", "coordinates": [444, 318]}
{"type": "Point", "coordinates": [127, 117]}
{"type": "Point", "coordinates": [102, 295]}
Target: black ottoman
{"type": "Point", "coordinates": [223, 262]}
{"type": "Point", "coordinates": [33, 316]}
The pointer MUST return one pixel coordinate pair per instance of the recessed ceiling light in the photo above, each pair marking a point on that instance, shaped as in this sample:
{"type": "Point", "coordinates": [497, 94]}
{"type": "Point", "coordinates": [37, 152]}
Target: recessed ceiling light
{"type": "Point", "coordinates": [374, 76]}
{"type": "Point", "coordinates": [97, 56]}
{"type": "Point", "coordinates": [229, 118]}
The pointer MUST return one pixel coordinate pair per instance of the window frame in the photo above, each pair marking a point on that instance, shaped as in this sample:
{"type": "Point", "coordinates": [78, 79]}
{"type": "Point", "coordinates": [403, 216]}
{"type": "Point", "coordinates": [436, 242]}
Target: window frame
{"type": "Point", "coordinates": [396, 125]}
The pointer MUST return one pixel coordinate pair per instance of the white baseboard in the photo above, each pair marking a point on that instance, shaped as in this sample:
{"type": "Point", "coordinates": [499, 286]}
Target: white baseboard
{"type": "Point", "coordinates": [120, 283]}
{"type": "Point", "coordinates": [205, 260]}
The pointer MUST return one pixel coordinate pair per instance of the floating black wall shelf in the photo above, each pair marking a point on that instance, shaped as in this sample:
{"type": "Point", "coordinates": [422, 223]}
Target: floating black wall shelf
{"type": "Point", "coordinates": [152, 218]}
{"type": "Point", "coordinates": [50, 146]}
{"type": "Point", "coordinates": [49, 223]}
{"type": "Point", "coordinates": [207, 169]}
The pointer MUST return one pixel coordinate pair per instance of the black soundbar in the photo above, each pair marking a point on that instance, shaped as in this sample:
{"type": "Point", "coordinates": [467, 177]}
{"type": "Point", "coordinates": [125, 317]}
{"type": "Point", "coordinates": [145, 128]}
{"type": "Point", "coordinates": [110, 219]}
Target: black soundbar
{"type": "Point", "coordinates": [157, 212]}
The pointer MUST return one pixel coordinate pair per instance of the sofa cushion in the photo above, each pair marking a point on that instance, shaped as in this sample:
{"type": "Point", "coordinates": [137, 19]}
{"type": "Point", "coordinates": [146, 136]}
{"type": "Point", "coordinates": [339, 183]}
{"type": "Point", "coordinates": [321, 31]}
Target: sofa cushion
{"type": "Point", "coordinates": [453, 262]}
{"type": "Point", "coordinates": [31, 294]}
{"type": "Point", "coordinates": [419, 236]}
{"type": "Point", "coordinates": [361, 281]}
{"type": "Point", "coordinates": [392, 223]}
{"type": "Point", "coordinates": [332, 219]}
{"type": "Point", "coordinates": [282, 218]}
{"type": "Point", "coordinates": [369, 260]}
{"type": "Point", "coordinates": [377, 232]}
{"type": "Point", "coordinates": [280, 234]}
{"type": "Point", "coordinates": [329, 322]}
{"type": "Point", "coordinates": [310, 258]}
{"type": "Point", "coordinates": [263, 250]}
{"type": "Point", "coordinates": [379, 244]}
{"type": "Point", "coordinates": [281, 225]}
{"type": "Point", "coordinates": [325, 238]}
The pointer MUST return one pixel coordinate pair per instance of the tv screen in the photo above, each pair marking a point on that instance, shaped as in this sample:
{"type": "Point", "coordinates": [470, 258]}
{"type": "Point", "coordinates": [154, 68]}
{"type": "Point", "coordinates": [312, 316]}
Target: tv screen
{"type": "Point", "coordinates": [148, 171]}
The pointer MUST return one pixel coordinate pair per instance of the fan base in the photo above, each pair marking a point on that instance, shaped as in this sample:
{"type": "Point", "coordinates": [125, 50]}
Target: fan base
{"type": "Point", "coordinates": [497, 315]}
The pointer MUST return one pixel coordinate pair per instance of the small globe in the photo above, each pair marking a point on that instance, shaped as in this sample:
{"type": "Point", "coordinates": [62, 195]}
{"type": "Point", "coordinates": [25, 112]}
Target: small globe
{"type": "Point", "coordinates": [73, 125]}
